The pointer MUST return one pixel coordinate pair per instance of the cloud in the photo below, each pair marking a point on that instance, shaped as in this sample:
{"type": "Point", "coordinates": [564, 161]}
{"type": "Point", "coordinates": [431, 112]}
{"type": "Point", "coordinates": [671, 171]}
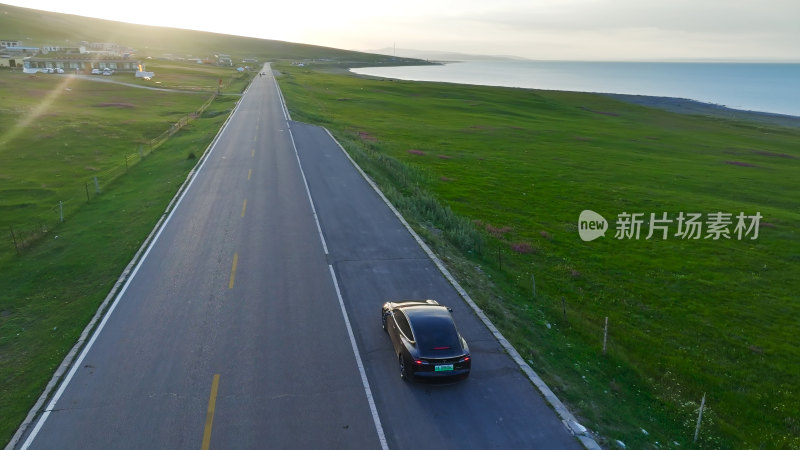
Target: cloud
{"type": "Point", "coordinates": [730, 16]}
{"type": "Point", "coordinates": [609, 29]}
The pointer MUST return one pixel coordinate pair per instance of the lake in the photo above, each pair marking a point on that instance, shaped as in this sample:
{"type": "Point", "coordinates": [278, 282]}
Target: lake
{"type": "Point", "coordinates": [765, 87]}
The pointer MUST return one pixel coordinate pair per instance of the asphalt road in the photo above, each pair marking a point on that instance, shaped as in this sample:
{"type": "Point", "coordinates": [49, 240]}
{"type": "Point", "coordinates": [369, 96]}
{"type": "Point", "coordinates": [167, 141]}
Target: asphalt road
{"type": "Point", "coordinates": [231, 333]}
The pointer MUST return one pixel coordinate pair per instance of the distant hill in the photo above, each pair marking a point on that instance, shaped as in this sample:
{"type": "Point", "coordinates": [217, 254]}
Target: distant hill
{"type": "Point", "coordinates": [37, 28]}
{"type": "Point", "coordinates": [432, 55]}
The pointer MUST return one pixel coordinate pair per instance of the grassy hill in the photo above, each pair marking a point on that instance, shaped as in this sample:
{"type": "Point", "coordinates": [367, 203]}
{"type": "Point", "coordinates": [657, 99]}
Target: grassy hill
{"type": "Point", "coordinates": [37, 28]}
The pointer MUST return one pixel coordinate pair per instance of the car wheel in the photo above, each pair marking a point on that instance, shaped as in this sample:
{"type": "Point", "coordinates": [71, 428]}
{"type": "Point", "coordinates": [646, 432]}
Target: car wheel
{"type": "Point", "coordinates": [405, 372]}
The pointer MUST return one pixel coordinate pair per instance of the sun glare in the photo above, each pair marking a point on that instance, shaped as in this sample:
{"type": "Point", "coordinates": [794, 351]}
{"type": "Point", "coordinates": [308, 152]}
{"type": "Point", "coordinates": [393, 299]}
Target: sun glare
{"type": "Point", "coordinates": [37, 111]}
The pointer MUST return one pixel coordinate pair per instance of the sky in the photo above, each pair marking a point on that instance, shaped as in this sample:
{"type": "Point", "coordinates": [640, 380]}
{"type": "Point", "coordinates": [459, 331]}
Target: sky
{"type": "Point", "coordinates": [536, 29]}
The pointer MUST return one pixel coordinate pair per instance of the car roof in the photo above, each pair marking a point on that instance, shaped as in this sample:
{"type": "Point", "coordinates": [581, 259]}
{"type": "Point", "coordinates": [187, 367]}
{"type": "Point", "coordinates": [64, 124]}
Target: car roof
{"type": "Point", "coordinates": [409, 303]}
{"type": "Point", "coordinates": [426, 311]}
{"type": "Point", "coordinates": [434, 328]}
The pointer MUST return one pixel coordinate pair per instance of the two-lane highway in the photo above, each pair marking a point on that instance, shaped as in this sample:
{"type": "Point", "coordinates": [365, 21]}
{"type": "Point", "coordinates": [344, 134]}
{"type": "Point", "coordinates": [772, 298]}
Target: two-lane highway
{"type": "Point", "coordinates": [235, 288]}
{"type": "Point", "coordinates": [252, 321]}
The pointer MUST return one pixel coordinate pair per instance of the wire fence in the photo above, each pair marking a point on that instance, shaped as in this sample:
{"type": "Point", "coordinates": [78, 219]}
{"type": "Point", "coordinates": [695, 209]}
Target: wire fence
{"type": "Point", "coordinates": [23, 235]}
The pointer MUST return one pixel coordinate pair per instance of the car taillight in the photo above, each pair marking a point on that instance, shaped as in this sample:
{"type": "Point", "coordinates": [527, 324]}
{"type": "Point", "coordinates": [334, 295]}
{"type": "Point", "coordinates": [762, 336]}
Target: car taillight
{"type": "Point", "coordinates": [466, 358]}
{"type": "Point", "coordinates": [418, 362]}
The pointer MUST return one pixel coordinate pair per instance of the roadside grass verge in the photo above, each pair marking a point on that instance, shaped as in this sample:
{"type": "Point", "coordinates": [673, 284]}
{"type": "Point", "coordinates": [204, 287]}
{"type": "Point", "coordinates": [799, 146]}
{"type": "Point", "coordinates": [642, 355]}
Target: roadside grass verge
{"type": "Point", "coordinates": [50, 291]}
{"type": "Point", "coordinates": [686, 317]}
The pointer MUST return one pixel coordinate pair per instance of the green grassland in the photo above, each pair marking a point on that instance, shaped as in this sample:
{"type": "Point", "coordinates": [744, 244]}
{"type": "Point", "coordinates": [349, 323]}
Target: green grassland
{"type": "Point", "coordinates": [686, 317]}
{"type": "Point", "coordinates": [59, 132]}
{"type": "Point", "coordinates": [188, 76]}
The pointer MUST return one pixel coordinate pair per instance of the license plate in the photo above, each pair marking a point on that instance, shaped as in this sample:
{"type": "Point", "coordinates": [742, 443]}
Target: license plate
{"type": "Point", "coordinates": [443, 368]}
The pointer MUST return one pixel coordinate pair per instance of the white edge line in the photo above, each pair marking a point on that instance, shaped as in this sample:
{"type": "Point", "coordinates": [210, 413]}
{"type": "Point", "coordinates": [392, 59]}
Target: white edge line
{"type": "Point", "coordinates": [303, 174]}
{"type": "Point", "coordinates": [566, 416]}
{"type": "Point", "coordinates": [144, 250]}
{"type": "Point", "coordinates": [364, 381]}
{"type": "Point", "coordinates": [361, 371]}
{"type": "Point", "coordinates": [308, 192]}
{"type": "Point", "coordinates": [285, 109]}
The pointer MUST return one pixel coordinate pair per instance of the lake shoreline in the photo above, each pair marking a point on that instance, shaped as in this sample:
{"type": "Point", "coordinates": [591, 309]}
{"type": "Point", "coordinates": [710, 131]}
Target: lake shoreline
{"type": "Point", "coordinates": [680, 103]}
{"type": "Point", "coordinates": [696, 107]}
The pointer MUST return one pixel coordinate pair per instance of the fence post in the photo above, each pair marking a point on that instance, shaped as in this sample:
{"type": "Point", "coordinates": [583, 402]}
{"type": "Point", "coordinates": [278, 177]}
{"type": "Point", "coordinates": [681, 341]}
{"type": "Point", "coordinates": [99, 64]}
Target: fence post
{"type": "Point", "coordinates": [605, 336]}
{"type": "Point", "coordinates": [96, 185]}
{"type": "Point", "coordinates": [86, 185]}
{"type": "Point", "coordinates": [699, 417]}
{"type": "Point", "coordinates": [499, 258]}
{"type": "Point", "coordinates": [14, 238]}
{"type": "Point", "coordinates": [61, 210]}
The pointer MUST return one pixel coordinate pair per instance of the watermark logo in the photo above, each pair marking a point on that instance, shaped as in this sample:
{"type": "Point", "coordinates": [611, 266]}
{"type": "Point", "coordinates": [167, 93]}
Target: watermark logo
{"type": "Point", "coordinates": [714, 226]}
{"type": "Point", "coordinates": [591, 225]}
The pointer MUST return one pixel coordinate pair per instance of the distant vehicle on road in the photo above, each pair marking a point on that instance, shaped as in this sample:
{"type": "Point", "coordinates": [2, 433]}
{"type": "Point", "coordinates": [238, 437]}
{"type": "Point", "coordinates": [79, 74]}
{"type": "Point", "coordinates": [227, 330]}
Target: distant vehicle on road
{"type": "Point", "coordinates": [425, 340]}
{"type": "Point", "coordinates": [96, 72]}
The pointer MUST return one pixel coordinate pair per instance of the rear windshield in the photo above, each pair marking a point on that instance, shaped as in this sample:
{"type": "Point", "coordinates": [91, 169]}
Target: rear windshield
{"type": "Point", "coordinates": [436, 333]}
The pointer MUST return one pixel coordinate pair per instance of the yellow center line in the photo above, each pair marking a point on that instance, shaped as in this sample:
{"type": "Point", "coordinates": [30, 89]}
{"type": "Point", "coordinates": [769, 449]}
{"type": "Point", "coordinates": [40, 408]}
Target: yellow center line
{"type": "Point", "coordinates": [253, 152]}
{"type": "Point", "coordinates": [244, 207]}
{"type": "Point", "coordinates": [233, 270]}
{"type": "Point", "coordinates": [212, 403]}
{"type": "Point", "coordinates": [249, 174]}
